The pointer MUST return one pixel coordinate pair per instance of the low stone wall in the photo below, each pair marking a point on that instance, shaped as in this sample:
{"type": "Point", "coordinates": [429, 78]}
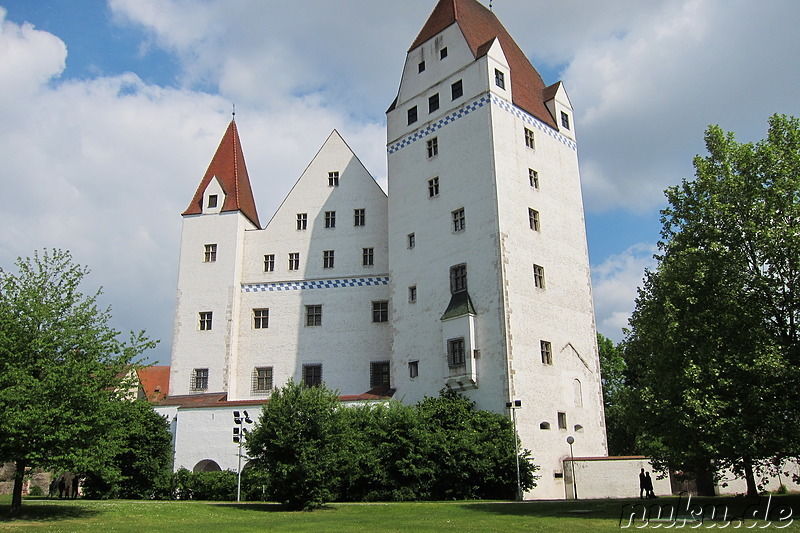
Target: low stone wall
{"type": "Point", "coordinates": [610, 477]}
{"type": "Point", "coordinates": [36, 478]}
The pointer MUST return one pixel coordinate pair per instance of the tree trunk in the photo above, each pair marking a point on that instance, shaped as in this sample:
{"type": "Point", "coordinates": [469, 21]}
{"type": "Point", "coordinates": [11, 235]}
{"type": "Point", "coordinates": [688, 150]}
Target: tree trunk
{"type": "Point", "coordinates": [752, 489]}
{"type": "Point", "coordinates": [704, 479]}
{"type": "Point", "coordinates": [16, 497]}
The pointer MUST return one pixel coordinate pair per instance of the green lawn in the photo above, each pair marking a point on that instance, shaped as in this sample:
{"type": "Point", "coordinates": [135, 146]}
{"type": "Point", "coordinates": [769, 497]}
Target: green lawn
{"type": "Point", "coordinates": [173, 516]}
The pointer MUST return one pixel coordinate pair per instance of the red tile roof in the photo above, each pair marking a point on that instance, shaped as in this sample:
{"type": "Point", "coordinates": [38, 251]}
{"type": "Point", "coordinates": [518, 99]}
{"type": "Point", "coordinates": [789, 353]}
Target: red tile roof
{"type": "Point", "coordinates": [154, 381]}
{"type": "Point", "coordinates": [220, 399]}
{"type": "Point", "coordinates": [229, 168]}
{"type": "Point", "coordinates": [480, 27]}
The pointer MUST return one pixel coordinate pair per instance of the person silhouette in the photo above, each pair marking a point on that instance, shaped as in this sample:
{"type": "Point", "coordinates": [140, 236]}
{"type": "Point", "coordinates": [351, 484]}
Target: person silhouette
{"type": "Point", "coordinates": [642, 484]}
{"type": "Point", "coordinates": [62, 484]}
{"type": "Point", "coordinates": [74, 487]}
{"type": "Point", "coordinates": [648, 482]}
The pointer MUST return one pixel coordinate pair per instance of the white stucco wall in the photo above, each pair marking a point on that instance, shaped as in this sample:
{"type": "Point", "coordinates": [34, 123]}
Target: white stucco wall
{"type": "Point", "coordinates": [610, 477]}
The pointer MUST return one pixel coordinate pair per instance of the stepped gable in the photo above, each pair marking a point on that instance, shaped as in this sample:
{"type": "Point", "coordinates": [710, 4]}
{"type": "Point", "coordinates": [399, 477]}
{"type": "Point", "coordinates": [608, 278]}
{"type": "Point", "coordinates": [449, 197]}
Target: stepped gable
{"type": "Point", "coordinates": [480, 27]}
{"type": "Point", "coordinates": [229, 168]}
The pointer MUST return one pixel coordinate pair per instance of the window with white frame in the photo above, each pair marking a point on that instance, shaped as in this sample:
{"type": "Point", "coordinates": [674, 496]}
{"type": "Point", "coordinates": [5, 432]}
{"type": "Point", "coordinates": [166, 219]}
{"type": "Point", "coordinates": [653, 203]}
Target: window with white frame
{"type": "Point", "coordinates": [313, 315]}
{"type": "Point", "coordinates": [459, 221]}
{"type": "Point", "coordinates": [262, 379]}
{"type": "Point", "coordinates": [327, 258]}
{"type": "Point", "coordinates": [330, 219]}
{"type": "Point", "coordinates": [547, 352]}
{"type": "Point", "coordinates": [499, 78]}
{"type": "Point", "coordinates": [533, 177]}
{"type": "Point", "coordinates": [269, 262]}
{"type": "Point", "coordinates": [294, 261]}
{"type": "Point", "coordinates": [212, 201]}
{"type": "Point", "coordinates": [209, 253]}
{"type": "Point", "coordinates": [204, 318]}
{"type": "Point", "coordinates": [379, 374]}
{"type": "Point", "coordinates": [538, 276]}
{"type": "Point", "coordinates": [199, 379]}
{"type": "Point", "coordinates": [565, 120]}
{"type": "Point", "coordinates": [533, 219]}
{"type": "Point", "coordinates": [359, 217]}
{"type": "Point", "coordinates": [367, 257]}
{"type": "Point", "coordinates": [530, 142]}
{"type": "Point", "coordinates": [433, 147]}
{"type": "Point", "coordinates": [433, 187]}
{"type": "Point", "coordinates": [260, 318]}
{"type": "Point", "coordinates": [302, 220]}
{"type": "Point", "coordinates": [380, 311]}
{"type": "Point", "coordinates": [333, 178]}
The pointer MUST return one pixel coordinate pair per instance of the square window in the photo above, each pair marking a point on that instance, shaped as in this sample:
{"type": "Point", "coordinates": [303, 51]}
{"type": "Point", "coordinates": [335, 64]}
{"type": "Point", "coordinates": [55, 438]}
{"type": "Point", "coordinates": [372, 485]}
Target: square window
{"type": "Point", "coordinates": [260, 318]}
{"type": "Point", "coordinates": [379, 374]}
{"type": "Point", "coordinates": [562, 420]}
{"type": "Point", "coordinates": [412, 294]}
{"type": "Point", "coordinates": [313, 315]}
{"type": "Point", "coordinates": [205, 320]}
{"type": "Point", "coordinates": [212, 200]}
{"type": "Point", "coordinates": [433, 187]}
{"type": "Point", "coordinates": [210, 253]}
{"type": "Point", "coordinates": [499, 79]}
{"type": "Point", "coordinates": [199, 379]}
{"type": "Point", "coordinates": [412, 115]}
{"type": "Point", "coordinates": [565, 120]}
{"type": "Point", "coordinates": [529, 140]}
{"type": "Point", "coordinates": [433, 103]}
{"type": "Point", "coordinates": [359, 217]}
{"type": "Point", "coordinates": [533, 177]}
{"type": "Point", "coordinates": [457, 90]}
{"type": "Point", "coordinates": [456, 355]}
{"type": "Point", "coordinates": [458, 278]}
{"type": "Point", "coordinates": [412, 240]}
{"type": "Point", "coordinates": [413, 369]}
{"type": "Point", "coordinates": [547, 352]}
{"type": "Point", "coordinates": [538, 276]}
{"type": "Point", "coordinates": [262, 379]}
{"type": "Point", "coordinates": [433, 147]}
{"type": "Point", "coordinates": [333, 179]}
{"type": "Point", "coordinates": [533, 219]}
{"type": "Point", "coordinates": [443, 53]}
{"type": "Point", "coordinates": [421, 67]}
{"type": "Point", "coordinates": [312, 375]}
{"type": "Point", "coordinates": [294, 261]}
{"type": "Point", "coordinates": [367, 257]}
{"type": "Point", "coordinates": [302, 220]}
{"type": "Point", "coordinates": [380, 311]}
{"type": "Point", "coordinates": [327, 259]}
{"type": "Point", "coordinates": [269, 262]}
{"type": "Point", "coordinates": [459, 221]}
{"type": "Point", "coordinates": [330, 219]}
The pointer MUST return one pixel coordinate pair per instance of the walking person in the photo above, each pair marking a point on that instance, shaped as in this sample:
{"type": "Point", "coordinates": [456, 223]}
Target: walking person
{"type": "Point", "coordinates": [649, 486]}
{"type": "Point", "coordinates": [642, 484]}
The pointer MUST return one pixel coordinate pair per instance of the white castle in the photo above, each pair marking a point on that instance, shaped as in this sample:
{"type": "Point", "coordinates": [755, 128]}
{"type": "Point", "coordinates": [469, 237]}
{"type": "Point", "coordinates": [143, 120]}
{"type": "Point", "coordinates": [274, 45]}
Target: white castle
{"type": "Point", "coordinates": [472, 275]}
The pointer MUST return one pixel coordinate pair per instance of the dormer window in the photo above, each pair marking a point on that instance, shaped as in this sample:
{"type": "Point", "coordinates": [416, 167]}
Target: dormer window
{"type": "Point", "coordinates": [565, 120]}
{"type": "Point", "coordinates": [499, 79]}
{"type": "Point", "coordinates": [212, 200]}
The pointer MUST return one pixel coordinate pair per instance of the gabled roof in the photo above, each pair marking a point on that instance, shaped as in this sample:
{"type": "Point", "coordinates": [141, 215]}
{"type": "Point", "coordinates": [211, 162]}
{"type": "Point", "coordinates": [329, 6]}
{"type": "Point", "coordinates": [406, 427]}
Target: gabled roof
{"type": "Point", "coordinates": [229, 168]}
{"type": "Point", "coordinates": [480, 27]}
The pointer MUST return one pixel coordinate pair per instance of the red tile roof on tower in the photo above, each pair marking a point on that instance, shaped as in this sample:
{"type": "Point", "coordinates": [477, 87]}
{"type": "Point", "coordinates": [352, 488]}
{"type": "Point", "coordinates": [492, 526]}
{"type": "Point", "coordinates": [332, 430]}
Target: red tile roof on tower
{"type": "Point", "coordinates": [480, 27]}
{"type": "Point", "coordinates": [229, 168]}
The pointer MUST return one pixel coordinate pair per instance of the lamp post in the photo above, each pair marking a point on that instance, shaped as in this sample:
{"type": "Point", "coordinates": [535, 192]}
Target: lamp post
{"type": "Point", "coordinates": [239, 432]}
{"type": "Point", "coordinates": [570, 440]}
{"type": "Point", "coordinates": [513, 406]}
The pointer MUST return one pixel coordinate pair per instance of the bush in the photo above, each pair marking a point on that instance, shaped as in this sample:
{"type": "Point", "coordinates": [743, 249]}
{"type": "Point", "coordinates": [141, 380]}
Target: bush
{"type": "Point", "coordinates": [216, 486]}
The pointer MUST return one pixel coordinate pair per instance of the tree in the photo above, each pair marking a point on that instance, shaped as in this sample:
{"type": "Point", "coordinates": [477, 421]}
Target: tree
{"type": "Point", "coordinates": [62, 367]}
{"type": "Point", "coordinates": [713, 354]}
{"type": "Point", "coordinates": [620, 435]}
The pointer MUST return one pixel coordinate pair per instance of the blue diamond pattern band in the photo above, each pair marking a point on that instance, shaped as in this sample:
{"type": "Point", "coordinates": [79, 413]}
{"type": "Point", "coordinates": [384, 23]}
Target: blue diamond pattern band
{"type": "Point", "coordinates": [315, 284]}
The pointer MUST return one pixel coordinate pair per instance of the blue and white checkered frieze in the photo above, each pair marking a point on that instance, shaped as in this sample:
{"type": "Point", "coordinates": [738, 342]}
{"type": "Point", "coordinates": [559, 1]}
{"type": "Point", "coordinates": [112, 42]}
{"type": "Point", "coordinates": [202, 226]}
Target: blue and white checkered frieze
{"type": "Point", "coordinates": [472, 106]}
{"type": "Point", "coordinates": [316, 284]}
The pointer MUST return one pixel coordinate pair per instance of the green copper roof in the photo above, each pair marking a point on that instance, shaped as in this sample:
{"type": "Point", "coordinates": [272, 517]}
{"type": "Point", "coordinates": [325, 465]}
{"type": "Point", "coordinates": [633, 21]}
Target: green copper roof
{"type": "Point", "coordinates": [460, 304]}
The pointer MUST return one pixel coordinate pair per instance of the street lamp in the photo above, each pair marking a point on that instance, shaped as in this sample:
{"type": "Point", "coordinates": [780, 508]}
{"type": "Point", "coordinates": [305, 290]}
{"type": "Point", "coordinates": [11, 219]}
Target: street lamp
{"type": "Point", "coordinates": [570, 440]}
{"type": "Point", "coordinates": [239, 433]}
{"type": "Point", "coordinates": [516, 404]}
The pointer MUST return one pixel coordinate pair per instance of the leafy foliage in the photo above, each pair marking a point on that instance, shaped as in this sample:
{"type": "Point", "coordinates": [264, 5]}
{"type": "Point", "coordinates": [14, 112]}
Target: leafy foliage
{"type": "Point", "coordinates": [214, 486]}
{"type": "Point", "coordinates": [621, 436]}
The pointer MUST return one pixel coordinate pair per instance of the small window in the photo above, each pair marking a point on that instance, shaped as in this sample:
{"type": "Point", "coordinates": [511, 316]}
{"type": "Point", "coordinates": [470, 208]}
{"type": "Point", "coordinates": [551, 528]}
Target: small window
{"type": "Point", "coordinates": [269, 262]}
{"type": "Point", "coordinates": [262, 379]}
{"type": "Point", "coordinates": [313, 315]}
{"type": "Point", "coordinates": [562, 420]}
{"type": "Point", "coordinates": [412, 294]}
{"type": "Point", "coordinates": [578, 428]}
{"type": "Point", "coordinates": [294, 261]}
{"type": "Point", "coordinates": [443, 53]}
{"type": "Point", "coordinates": [380, 311]}
{"type": "Point", "coordinates": [456, 355]}
{"type": "Point", "coordinates": [433, 187]}
{"type": "Point", "coordinates": [533, 219]}
{"type": "Point", "coordinates": [558, 475]}
{"type": "Point", "coordinates": [433, 103]}
{"type": "Point", "coordinates": [412, 240]}
{"type": "Point", "coordinates": [359, 217]}
{"type": "Point", "coordinates": [302, 220]}
{"type": "Point", "coordinates": [538, 276]}
{"type": "Point", "coordinates": [413, 369]}
{"type": "Point", "coordinates": [433, 147]}
{"type": "Point", "coordinates": [205, 320]}
{"type": "Point", "coordinates": [379, 374]}
{"type": "Point", "coordinates": [412, 115]}
{"type": "Point", "coordinates": [529, 140]}
{"type": "Point", "coordinates": [312, 375]}
{"type": "Point", "coordinates": [499, 79]}
{"type": "Point", "coordinates": [367, 257]}
{"type": "Point", "coordinates": [333, 179]}
{"type": "Point", "coordinates": [421, 67]}
{"type": "Point", "coordinates": [457, 90]}
{"type": "Point", "coordinates": [330, 219]}
{"type": "Point", "coordinates": [260, 318]}
{"type": "Point", "coordinates": [544, 425]}
{"type": "Point", "coordinates": [212, 200]}
{"type": "Point", "coordinates": [533, 177]}
{"type": "Point", "coordinates": [547, 352]}
{"type": "Point", "coordinates": [459, 221]}
{"type": "Point", "coordinates": [327, 259]}
{"type": "Point", "coordinates": [565, 120]}
{"type": "Point", "coordinates": [458, 278]}
{"type": "Point", "coordinates": [577, 392]}
{"type": "Point", "coordinates": [199, 379]}
{"type": "Point", "coordinates": [210, 253]}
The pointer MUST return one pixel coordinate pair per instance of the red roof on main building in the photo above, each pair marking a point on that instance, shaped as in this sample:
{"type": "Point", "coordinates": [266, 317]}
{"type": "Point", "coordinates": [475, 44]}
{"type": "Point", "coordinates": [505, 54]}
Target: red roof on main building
{"type": "Point", "coordinates": [480, 27]}
{"type": "Point", "coordinates": [229, 168]}
{"type": "Point", "coordinates": [154, 382]}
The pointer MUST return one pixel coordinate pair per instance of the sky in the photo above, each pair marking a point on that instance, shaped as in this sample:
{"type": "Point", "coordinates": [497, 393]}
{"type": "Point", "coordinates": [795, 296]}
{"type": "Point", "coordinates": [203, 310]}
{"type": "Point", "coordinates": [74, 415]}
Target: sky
{"type": "Point", "coordinates": [110, 112]}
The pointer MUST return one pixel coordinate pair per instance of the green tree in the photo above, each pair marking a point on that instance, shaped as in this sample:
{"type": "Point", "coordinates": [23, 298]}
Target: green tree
{"type": "Point", "coordinates": [62, 367]}
{"type": "Point", "coordinates": [713, 349]}
{"type": "Point", "coordinates": [621, 436]}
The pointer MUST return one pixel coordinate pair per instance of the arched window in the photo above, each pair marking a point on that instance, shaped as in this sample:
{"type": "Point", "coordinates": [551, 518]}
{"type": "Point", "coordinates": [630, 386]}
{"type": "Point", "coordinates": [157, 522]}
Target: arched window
{"type": "Point", "coordinates": [206, 465]}
{"type": "Point", "coordinates": [544, 425]}
{"type": "Point", "coordinates": [576, 385]}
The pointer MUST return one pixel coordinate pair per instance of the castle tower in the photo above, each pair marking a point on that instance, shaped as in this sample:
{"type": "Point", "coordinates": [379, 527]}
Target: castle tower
{"type": "Point", "coordinates": [491, 292]}
{"type": "Point", "coordinates": [209, 274]}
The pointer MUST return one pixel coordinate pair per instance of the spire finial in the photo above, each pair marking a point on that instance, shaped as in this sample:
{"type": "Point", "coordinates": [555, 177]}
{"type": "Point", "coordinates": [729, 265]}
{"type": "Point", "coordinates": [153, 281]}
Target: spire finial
{"type": "Point", "coordinates": [233, 113]}
{"type": "Point", "coordinates": [490, 5]}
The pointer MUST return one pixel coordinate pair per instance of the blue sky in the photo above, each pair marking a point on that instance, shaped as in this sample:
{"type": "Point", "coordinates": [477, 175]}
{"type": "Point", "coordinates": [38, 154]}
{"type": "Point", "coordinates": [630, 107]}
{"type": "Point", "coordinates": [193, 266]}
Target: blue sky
{"type": "Point", "coordinates": [111, 111]}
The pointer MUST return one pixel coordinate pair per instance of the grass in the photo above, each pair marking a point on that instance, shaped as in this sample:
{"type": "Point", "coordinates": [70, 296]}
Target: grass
{"type": "Point", "coordinates": [439, 517]}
